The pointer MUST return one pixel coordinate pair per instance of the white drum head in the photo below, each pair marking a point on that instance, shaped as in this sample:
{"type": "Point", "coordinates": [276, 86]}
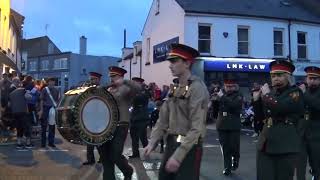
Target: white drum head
{"type": "Point", "coordinates": [95, 116]}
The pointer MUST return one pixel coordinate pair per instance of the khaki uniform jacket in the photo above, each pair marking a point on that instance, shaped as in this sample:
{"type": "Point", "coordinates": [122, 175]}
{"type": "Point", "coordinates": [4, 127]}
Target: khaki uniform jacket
{"type": "Point", "coordinates": [183, 114]}
{"type": "Point", "coordinates": [124, 95]}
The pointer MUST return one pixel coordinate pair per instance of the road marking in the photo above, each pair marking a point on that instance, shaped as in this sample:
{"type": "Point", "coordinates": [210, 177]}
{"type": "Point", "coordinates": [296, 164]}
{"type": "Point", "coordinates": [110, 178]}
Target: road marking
{"type": "Point", "coordinates": [211, 146]}
{"type": "Point", "coordinates": [44, 150]}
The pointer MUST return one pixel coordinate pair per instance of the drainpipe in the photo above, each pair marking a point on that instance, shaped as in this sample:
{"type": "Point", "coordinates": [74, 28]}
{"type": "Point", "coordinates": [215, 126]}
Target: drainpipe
{"type": "Point", "coordinates": [289, 38]}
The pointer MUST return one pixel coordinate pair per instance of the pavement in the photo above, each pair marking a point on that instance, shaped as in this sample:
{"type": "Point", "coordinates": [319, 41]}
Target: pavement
{"type": "Point", "coordinates": [65, 161]}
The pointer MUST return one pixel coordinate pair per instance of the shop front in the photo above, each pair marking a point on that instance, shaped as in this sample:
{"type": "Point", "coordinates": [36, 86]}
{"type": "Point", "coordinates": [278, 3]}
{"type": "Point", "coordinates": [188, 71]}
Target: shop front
{"type": "Point", "coordinates": [244, 70]}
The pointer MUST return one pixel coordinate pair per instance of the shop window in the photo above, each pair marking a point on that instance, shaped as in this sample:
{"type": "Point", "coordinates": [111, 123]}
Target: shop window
{"type": "Point", "coordinates": [243, 41]}
{"type": "Point", "coordinates": [278, 42]}
{"type": "Point", "coordinates": [302, 45]}
{"type": "Point", "coordinates": [204, 39]}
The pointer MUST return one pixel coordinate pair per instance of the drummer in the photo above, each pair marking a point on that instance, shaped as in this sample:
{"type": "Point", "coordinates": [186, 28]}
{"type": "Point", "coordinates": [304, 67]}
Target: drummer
{"type": "Point", "coordinates": [94, 79]}
{"type": "Point", "coordinates": [111, 152]}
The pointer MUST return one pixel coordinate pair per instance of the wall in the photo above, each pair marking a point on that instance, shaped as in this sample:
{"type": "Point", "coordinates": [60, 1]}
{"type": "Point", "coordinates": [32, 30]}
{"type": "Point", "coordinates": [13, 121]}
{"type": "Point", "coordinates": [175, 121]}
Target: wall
{"type": "Point", "coordinates": [169, 23]}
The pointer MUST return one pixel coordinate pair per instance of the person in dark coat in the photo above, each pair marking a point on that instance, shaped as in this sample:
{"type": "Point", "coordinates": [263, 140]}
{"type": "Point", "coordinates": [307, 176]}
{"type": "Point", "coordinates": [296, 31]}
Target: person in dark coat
{"type": "Point", "coordinates": [228, 124]}
{"type": "Point", "coordinates": [94, 81]}
{"type": "Point", "coordinates": [139, 120]}
{"type": "Point", "coordinates": [280, 141]}
{"type": "Point", "coordinates": [312, 116]}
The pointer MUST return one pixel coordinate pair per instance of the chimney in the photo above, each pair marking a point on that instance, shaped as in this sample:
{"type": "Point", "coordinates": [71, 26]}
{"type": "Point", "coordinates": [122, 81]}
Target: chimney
{"type": "Point", "coordinates": [83, 45]}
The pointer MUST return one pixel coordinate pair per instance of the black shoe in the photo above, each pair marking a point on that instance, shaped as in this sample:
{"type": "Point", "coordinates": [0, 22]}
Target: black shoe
{"type": "Point", "coordinates": [226, 172]}
{"type": "Point", "coordinates": [29, 146]}
{"type": "Point", "coordinates": [99, 161]}
{"type": "Point", "coordinates": [134, 156]}
{"type": "Point", "coordinates": [52, 145]}
{"type": "Point", "coordinates": [20, 146]}
{"type": "Point", "coordinates": [235, 165]}
{"type": "Point", "coordinates": [129, 175]}
{"type": "Point", "coordinates": [88, 163]}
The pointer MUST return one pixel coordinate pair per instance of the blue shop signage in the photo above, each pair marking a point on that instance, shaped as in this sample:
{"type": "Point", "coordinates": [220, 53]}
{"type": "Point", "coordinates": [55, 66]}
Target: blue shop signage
{"type": "Point", "coordinates": [237, 65]}
{"type": "Point", "coordinates": [161, 50]}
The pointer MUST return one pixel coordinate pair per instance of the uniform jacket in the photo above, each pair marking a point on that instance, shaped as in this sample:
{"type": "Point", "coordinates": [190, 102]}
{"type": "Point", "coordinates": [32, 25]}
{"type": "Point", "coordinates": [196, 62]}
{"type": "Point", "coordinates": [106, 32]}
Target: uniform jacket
{"type": "Point", "coordinates": [230, 106]}
{"type": "Point", "coordinates": [184, 113]}
{"type": "Point", "coordinates": [139, 114]}
{"type": "Point", "coordinates": [312, 104]}
{"type": "Point", "coordinates": [123, 95]}
{"type": "Point", "coordinates": [284, 126]}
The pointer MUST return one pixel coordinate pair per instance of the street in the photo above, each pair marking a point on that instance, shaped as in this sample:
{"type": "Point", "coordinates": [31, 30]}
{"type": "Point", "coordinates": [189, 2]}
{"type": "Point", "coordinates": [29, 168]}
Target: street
{"type": "Point", "coordinates": [65, 162]}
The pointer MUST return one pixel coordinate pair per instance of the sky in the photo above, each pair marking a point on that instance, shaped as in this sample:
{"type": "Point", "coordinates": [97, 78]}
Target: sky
{"type": "Point", "coordinates": [101, 21]}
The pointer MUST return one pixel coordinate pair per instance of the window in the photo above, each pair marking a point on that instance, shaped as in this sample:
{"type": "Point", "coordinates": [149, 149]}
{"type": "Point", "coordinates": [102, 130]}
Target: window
{"type": "Point", "coordinates": [44, 65]}
{"type": "Point", "coordinates": [243, 41]}
{"type": "Point", "coordinates": [204, 35]}
{"type": "Point", "coordinates": [33, 66]}
{"type": "Point", "coordinates": [157, 7]}
{"type": "Point", "coordinates": [148, 51]}
{"type": "Point", "coordinates": [278, 42]}
{"type": "Point", "coordinates": [135, 58]}
{"type": "Point", "coordinates": [61, 63]}
{"type": "Point", "coordinates": [302, 45]}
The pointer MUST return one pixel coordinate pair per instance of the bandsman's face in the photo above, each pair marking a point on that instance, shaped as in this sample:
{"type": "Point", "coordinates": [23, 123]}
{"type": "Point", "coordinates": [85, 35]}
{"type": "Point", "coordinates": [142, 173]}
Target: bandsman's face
{"type": "Point", "coordinates": [94, 80]}
{"type": "Point", "coordinates": [178, 67]}
{"type": "Point", "coordinates": [279, 80]}
{"type": "Point", "coordinates": [115, 79]}
{"type": "Point", "coordinates": [313, 82]}
{"type": "Point", "coordinates": [230, 88]}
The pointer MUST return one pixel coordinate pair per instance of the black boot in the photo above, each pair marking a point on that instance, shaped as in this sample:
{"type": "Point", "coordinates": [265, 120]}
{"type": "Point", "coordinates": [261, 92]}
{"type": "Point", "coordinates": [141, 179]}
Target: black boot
{"type": "Point", "coordinates": [235, 165]}
{"type": "Point", "coordinates": [226, 172]}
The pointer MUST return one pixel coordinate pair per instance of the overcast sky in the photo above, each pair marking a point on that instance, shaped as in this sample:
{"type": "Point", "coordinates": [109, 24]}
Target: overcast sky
{"type": "Point", "coordinates": [101, 21]}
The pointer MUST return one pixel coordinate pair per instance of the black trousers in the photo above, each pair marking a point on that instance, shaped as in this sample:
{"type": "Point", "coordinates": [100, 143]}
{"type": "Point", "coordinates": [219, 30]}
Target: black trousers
{"type": "Point", "coordinates": [230, 143]}
{"type": "Point", "coordinates": [111, 154]}
{"type": "Point", "coordinates": [23, 125]}
{"type": "Point", "coordinates": [190, 166]}
{"type": "Point", "coordinates": [275, 167]}
{"type": "Point", "coordinates": [137, 133]}
{"type": "Point", "coordinates": [90, 153]}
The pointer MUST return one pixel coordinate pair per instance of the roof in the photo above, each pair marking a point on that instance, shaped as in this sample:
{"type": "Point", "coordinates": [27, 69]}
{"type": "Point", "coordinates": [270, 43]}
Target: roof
{"type": "Point", "coordinates": [279, 9]}
{"type": "Point", "coordinates": [18, 19]}
{"type": "Point", "coordinates": [129, 56]}
{"type": "Point", "coordinates": [39, 46]}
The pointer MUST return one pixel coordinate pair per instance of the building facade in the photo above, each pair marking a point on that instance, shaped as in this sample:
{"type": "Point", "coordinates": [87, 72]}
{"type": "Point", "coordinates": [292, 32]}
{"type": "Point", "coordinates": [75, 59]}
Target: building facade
{"type": "Point", "coordinates": [11, 24]}
{"type": "Point", "coordinates": [236, 39]}
{"type": "Point", "coordinates": [132, 60]}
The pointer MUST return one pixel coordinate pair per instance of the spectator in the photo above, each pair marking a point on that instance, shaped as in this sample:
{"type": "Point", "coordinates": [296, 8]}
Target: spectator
{"type": "Point", "coordinates": [165, 91]}
{"type": "Point", "coordinates": [45, 105]}
{"type": "Point", "coordinates": [18, 103]}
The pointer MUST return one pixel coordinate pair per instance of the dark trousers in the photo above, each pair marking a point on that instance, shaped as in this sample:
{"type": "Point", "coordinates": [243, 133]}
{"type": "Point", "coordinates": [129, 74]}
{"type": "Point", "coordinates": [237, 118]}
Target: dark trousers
{"type": "Point", "coordinates": [230, 143]}
{"type": "Point", "coordinates": [313, 146]}
{"type": "Point", "coordinates": [189, 167]}
{"type": "Point", "coordinates": [111, 154]}
{"type": "Point", "coordinates": [257, 125]}
{"type": "Point", "coordinates": [90, 153]}
{"type": "Point", "coordinates": [301, 164]}
{"type": "Point", "coordinates": [44, 126]}
{"type": "Point", "coordinates": [275, 167]}
{"type": "Point", "coordinates": [137, 133]}
{"type": "Point", "coordinates": [23, 125]}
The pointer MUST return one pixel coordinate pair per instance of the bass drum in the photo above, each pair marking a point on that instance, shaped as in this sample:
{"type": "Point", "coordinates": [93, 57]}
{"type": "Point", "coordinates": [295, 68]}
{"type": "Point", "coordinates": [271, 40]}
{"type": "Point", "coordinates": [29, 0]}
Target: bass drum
{"type": "Point", "coordinates": [87, 115]}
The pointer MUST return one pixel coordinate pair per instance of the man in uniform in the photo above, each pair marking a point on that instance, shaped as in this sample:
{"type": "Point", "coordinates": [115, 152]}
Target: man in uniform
{"type": "Point", "coordinates": [111, 151]}
{"type": "Point", "coordinates": [94, 81]}
{"type": "Point", "coordinates": [139, 119]}
{"type": "Point", "coordinates": [182, 118]}
{"type": "Point", "coordinates": [279, 143]}
{"type": "Point", "coordinates": [228, 124]}
{"type": "Point", "coordinates": [312, 116]}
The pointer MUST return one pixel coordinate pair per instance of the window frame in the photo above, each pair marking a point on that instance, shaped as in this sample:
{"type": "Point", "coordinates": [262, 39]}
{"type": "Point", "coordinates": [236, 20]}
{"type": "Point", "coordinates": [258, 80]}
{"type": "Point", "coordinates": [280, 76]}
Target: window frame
{"type": "Point", "coordinates": [41, 65]}
{"type": "Point", "coordinates": [282, 44]}
{"type": "Point", "coordinates": [63, 59]}
{"type": "Point", "coordinates": [248, 41]}
{"type": "Point", "coordinates": [303, 45]}
{"type": "Point", "coordinates": [203, 39]}
{"type": "Point", "coordinates": [33, 64]}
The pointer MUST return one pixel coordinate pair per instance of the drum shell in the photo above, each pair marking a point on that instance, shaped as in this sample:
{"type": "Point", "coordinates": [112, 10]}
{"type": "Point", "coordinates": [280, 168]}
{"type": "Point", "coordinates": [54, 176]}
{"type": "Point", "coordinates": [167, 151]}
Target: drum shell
{"type": "Point", "coordinates": [70, 122]}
